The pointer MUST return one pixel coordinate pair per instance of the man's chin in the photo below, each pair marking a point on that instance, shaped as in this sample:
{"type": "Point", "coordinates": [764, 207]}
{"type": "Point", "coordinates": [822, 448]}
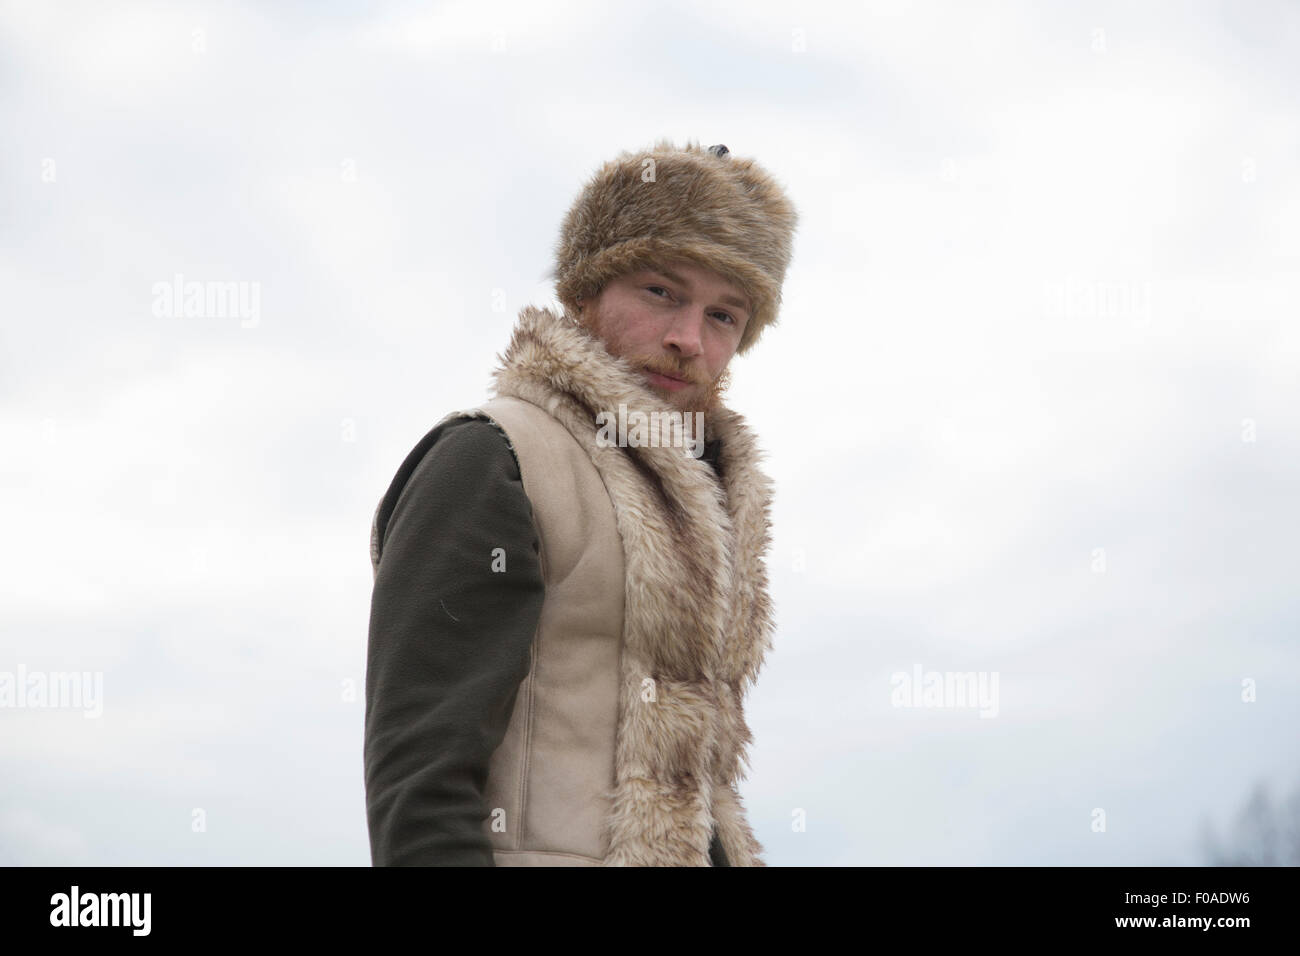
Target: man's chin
{"type": "Point", "coordinates": [697, 398]}
{"type": "Point", "coordinates": [682, 400]}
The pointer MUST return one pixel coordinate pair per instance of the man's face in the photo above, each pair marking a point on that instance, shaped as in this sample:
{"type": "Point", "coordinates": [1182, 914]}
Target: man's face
{"type": "Point", "coordinates": [678, 324]}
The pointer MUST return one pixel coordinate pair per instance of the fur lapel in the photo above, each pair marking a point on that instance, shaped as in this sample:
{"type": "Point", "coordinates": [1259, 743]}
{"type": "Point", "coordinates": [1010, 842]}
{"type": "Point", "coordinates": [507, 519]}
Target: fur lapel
{"type": "Point", "coordinates": [698, 620]}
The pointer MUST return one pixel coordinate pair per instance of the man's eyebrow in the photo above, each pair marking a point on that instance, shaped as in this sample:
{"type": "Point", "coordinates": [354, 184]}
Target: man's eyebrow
{"type": "Point", "coordinates": [729, 299]}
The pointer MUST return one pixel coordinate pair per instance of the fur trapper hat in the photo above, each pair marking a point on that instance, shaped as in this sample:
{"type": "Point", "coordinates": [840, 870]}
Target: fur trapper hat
{"type": "Point", "coordinates": [664, 203]}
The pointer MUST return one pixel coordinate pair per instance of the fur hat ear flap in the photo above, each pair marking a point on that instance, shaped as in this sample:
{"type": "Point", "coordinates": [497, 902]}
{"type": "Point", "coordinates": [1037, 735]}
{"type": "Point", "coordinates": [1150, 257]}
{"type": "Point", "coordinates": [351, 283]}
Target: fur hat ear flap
{"type": "Point", "coordinates": [666, 203]}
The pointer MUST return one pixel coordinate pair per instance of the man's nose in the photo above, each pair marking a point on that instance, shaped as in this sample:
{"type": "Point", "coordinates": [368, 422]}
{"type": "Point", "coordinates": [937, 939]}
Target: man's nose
{"type": "Point", "coordinates": [683, 332]}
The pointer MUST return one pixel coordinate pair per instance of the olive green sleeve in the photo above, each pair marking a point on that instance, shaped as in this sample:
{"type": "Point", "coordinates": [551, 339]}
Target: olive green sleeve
{"type": "Point", "coordinates": [449, 643]}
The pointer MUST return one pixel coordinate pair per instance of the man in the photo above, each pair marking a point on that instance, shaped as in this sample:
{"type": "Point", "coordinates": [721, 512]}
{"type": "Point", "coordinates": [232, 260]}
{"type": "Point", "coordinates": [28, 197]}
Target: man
{"type": "Point", "coordinates": [566, 615]}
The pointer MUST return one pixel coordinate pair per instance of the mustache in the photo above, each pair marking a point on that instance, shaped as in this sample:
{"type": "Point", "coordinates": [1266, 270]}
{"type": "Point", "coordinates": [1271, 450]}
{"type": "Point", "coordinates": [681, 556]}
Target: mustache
{"type": "Point", "coordinates": [672, 371]}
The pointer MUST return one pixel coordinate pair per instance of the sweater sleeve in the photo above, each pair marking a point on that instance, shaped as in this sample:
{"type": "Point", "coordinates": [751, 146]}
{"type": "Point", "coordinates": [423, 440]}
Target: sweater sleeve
{"type": "Point", "coordinates": [449, 644]}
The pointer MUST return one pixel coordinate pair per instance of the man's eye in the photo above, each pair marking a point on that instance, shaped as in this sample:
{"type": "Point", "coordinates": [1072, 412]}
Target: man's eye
{"type": "Point", "coordinates": [731, 320]}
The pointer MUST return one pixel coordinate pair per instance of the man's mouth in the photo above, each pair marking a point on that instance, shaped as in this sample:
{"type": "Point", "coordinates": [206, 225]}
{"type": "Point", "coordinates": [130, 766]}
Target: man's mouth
{"type": "Point", "coordinates": [670, 382]}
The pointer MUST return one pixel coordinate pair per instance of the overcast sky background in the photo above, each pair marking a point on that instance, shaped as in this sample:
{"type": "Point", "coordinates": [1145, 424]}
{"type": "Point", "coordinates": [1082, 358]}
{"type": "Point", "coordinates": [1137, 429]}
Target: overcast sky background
{"type": "Point", "coordinates": [1044, 301]}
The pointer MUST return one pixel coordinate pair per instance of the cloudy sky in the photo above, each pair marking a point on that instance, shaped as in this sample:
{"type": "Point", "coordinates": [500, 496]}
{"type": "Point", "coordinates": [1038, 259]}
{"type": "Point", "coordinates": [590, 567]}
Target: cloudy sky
{"type": "Point", "coordinates": [1033, 405]}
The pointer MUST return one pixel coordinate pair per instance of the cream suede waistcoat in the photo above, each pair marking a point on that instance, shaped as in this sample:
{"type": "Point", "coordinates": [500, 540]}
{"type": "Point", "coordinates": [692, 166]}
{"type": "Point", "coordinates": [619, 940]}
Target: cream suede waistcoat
{"type": "Point", "coordinates": [627, 739]}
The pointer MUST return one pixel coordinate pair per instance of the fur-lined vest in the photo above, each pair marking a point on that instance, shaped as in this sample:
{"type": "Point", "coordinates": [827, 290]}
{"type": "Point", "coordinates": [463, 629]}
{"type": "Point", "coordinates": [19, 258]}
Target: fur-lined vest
{"type": "Point", "coordinates": [628, 736]}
